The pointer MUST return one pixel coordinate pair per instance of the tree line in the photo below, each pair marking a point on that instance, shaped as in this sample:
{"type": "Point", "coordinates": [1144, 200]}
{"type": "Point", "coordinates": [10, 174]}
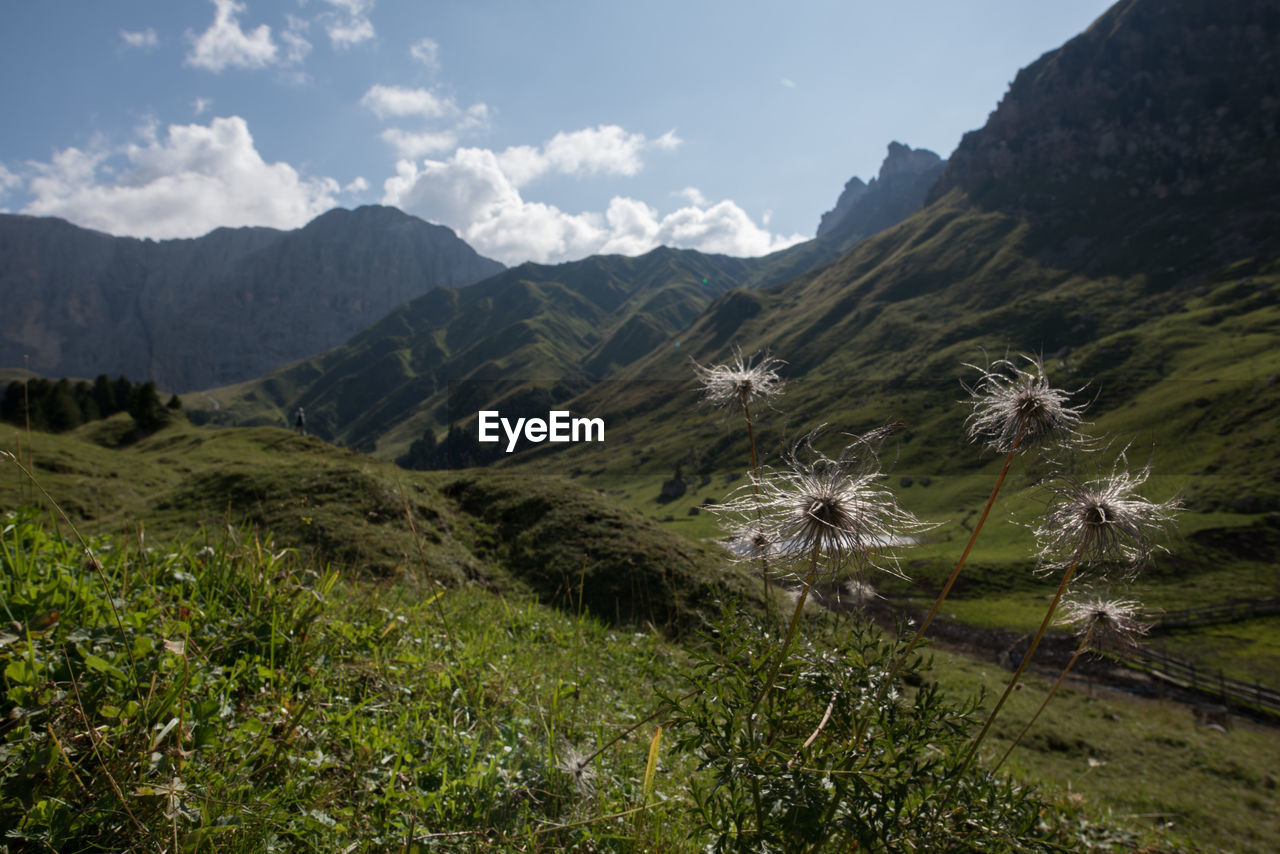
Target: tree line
{"type": "Point", "coordinates": [60, 405]}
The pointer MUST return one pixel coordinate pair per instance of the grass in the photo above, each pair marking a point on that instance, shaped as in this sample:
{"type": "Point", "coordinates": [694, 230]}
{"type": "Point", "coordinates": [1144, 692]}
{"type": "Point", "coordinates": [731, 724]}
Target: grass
{"type": "Point", "coordinates": [373, 705]}
{"type": "Point", "coordinates": [247, 699]}
{"type": "Point", "coordinates": [1142, 763]}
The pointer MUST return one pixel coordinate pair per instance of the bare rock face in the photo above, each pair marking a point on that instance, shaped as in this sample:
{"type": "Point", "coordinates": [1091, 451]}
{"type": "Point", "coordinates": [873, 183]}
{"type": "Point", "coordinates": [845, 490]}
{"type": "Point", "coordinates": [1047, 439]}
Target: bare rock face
{"type": "Point", "coordinates": [226, 307]}
{"type": "Point", "coordinates": [1163, 109]}
{"type": "Point", "coordinates": [897, 192]}
{"type": "Point", "coordinates": [854, 190]}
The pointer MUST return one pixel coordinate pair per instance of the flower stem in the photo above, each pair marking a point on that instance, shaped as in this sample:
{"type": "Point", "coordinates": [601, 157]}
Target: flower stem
{"type": "Point", "coordinates": [755, 489]}
{"type": "Point", "coordinates": [964, 556]}
{"type": "Point", "coordinates": [1026, 659]}
{"type": "Point", "coordinates": [791, 633]}
{"type": "Point", "coordinates": [1084, 643]}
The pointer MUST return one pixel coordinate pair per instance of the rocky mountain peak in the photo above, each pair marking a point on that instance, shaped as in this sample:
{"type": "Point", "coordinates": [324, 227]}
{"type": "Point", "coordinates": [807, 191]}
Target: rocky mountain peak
{"type": "Point", "coordinates": [903, 159]}
{"type": "Point", "coordinates": [905, 176]}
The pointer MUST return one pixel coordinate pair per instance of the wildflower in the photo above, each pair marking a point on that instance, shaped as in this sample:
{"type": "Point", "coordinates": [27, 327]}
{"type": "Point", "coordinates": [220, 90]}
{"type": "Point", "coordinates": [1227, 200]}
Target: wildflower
{"type": "Point", "coordinates": [1105, 623]}
{"type": "Point", "coordinates": [575, 764]}
{"type": "Point", "coordinates": [834, 507]}
{"type": "Point", "coordinates": [740, 382]}
{"type": "Point", "coordinates": [1012, 406]}
{"type": "Point", "coordinates": [749, 541]}
{"type": "Point", "coordinates": [1102, 522]}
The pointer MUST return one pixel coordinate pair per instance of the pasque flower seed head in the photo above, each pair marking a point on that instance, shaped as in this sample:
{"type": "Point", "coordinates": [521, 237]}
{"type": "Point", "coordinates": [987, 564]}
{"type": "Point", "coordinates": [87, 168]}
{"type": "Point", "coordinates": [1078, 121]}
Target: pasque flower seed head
{"type": "Point", "coordinates": [1015, 405]}
{"type": "Point", "coordinates": [1106, 623]}
{"type": "Point", "coordinates": [740, 381]}
{"type": "Point", "coordinates": [1103, 522]}
{"type": "Point", "coordinates": [836, 506]}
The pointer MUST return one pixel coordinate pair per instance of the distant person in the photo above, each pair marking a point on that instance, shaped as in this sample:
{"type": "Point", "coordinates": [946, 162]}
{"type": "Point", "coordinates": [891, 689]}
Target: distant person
{"type": "Point", "coordinates": [300, 422]}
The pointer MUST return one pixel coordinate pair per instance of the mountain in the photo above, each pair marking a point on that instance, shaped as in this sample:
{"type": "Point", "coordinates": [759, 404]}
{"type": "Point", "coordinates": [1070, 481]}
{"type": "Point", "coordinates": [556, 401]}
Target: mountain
{"type": "Point", "coordinates": [221, 308]}
{"type": "Point", "coordinates": [1160, 313]}
{"type": "Point", "coordinates": [534, 333]}
{"type": "Point", "coordinates": [1154, 132]}
{"type": "Point", "coordinates": [899, 190]}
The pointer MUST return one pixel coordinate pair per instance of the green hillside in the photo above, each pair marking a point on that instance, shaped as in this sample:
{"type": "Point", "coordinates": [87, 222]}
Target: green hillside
{"type": "Point", "coordinates": [534, 325]}
{"type": "Point", "coordinates": [373, 519]}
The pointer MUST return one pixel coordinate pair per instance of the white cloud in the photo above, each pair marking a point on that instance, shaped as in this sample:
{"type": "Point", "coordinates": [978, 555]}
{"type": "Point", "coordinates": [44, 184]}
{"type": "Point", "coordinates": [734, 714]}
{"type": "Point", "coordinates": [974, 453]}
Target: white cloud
{"type": "Point", "coordinates": [193, 180]}
{"type": "Point", "coordinates": [426, 51]}
{"type": "Point", "coordinates": [144, 39]}
{"type": "Point", "coordinates": [225, 44]}
{"type": "Point", "coordinates": [200, 105]}
{"type": "Point", "coordinates": [351, 26]}
{"type": "Point", "coordinates": [788, 83]}
{"type": "Point", "coordinates": [389, 101]}
{"type": "Point", "coordinates": [693, 196]}
{"type": "Point", "coordinates": [296, 46]}
{"type": "Point", "coordinates": [605, 149]}
{"type": "Point", "coordinates": [414, 145]}
{"type": "Point", "coordinates": [359, 185]}
{"type": "Point", "coordinates": [8, 181]}
{"type": "Point", "coordinates": [477, 193]}
{"type": "Point", "coordinates": [668, 141]}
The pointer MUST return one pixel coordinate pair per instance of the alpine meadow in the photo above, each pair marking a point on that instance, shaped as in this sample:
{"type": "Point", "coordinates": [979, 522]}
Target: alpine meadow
{"type": "Point", "coordinates": [952, 528]}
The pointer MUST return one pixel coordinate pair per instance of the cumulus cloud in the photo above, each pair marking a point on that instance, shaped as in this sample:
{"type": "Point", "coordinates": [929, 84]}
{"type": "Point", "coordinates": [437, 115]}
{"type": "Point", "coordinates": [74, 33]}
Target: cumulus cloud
{"type": "Point", "coordinates": [477, 192]}
{"type": "Point", "coordinates": [144, 39]}
{"type": "Point", "coordinates": [350, 25]}
{"type": "Point", "coordinates": [426, 51]}
{"type": "Point", "coordinates": [225, 44]}
{"type": "Point", "coordinates": [194, 179]}
{"type": "Point", "coordinates": [400, 101]}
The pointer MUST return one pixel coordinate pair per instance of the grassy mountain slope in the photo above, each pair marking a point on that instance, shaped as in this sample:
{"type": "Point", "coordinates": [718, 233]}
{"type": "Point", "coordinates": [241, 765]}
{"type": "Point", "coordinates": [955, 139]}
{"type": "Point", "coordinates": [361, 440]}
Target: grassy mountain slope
{"type": "Point", "coordinates": [562, 542]}
{"type": "Point", "coordinates": [461, 701]}
{"type": "Point", "coordinates": [532, 325]}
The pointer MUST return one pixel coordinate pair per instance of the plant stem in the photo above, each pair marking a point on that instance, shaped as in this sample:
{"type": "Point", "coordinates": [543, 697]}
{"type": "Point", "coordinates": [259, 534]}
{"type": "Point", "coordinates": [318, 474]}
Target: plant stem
{"type": "Point", "coordinates": [755, 489]}
{"type": "Point", "coordinates": [955, 573]}
{"type": "Point", "coordinates": [1022, 665]}
{"type": "Point", "coordinates": [860, 733]}
{"type": "Point", "coordinates": [791, 633]}
{"type": "Point", "coordinates": [1084, 643]}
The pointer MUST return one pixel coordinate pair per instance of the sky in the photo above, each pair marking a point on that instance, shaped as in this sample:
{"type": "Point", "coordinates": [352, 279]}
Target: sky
{"type": "Point", "coordinates": [544, 131]}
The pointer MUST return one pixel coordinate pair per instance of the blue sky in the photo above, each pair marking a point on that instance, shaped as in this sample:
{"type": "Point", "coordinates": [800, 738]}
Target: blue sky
{"type": "Point", "coordinates": [542, 131]}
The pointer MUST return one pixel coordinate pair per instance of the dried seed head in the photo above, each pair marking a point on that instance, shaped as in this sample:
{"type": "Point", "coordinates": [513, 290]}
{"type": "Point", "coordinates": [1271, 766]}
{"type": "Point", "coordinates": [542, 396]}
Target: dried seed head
{"type": "Point", "coordinates": [834, 506]}
{"type": "Point", "coordinates": [1114, 624]}
{"type": "Point", "coordinates": [1012, 405]}
{"type": "Point", "coordinates": [573, 762]}
{"type": "Point", "coordinates": [750, 541]}
{"type": "Point", "coordinates": [1103, 523]}
{"type": "Point", "coordinates": [739, 382]}
{"type": "Point", "coordinates": [858, 593]}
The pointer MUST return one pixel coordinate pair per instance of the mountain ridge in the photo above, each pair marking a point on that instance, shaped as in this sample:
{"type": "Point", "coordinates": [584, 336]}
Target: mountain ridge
{"type": "Point", "coordinates": [227, 306]}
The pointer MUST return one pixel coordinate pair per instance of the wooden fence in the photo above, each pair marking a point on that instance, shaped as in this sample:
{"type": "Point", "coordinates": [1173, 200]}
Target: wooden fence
{"type": "Point", "coordinates": [1219, 612]}
{"type": "Point", "coordinates": [1185, 674]}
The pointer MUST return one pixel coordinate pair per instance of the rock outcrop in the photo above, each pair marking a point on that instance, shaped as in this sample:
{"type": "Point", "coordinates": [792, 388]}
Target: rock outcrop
{"type": "Point", "coordinates": [897, 192]}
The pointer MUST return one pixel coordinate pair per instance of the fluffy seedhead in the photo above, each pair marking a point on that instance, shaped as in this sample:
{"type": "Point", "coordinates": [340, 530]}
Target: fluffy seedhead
{"type": "Point", "coordinates": [836, 506]}
{"type": "Point", "coordinates": [1106, 623]}
{"type": "Point", "coordinates": [1016, 405]}
{"type": "Point", "coordinates": [739, 381]}
{"type": "Point", "coordinates": [1103, 523]}
{"type": "Point", "coordinates": [573, 763]}
{"type": "Point", "coordinates": [749, 541]}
